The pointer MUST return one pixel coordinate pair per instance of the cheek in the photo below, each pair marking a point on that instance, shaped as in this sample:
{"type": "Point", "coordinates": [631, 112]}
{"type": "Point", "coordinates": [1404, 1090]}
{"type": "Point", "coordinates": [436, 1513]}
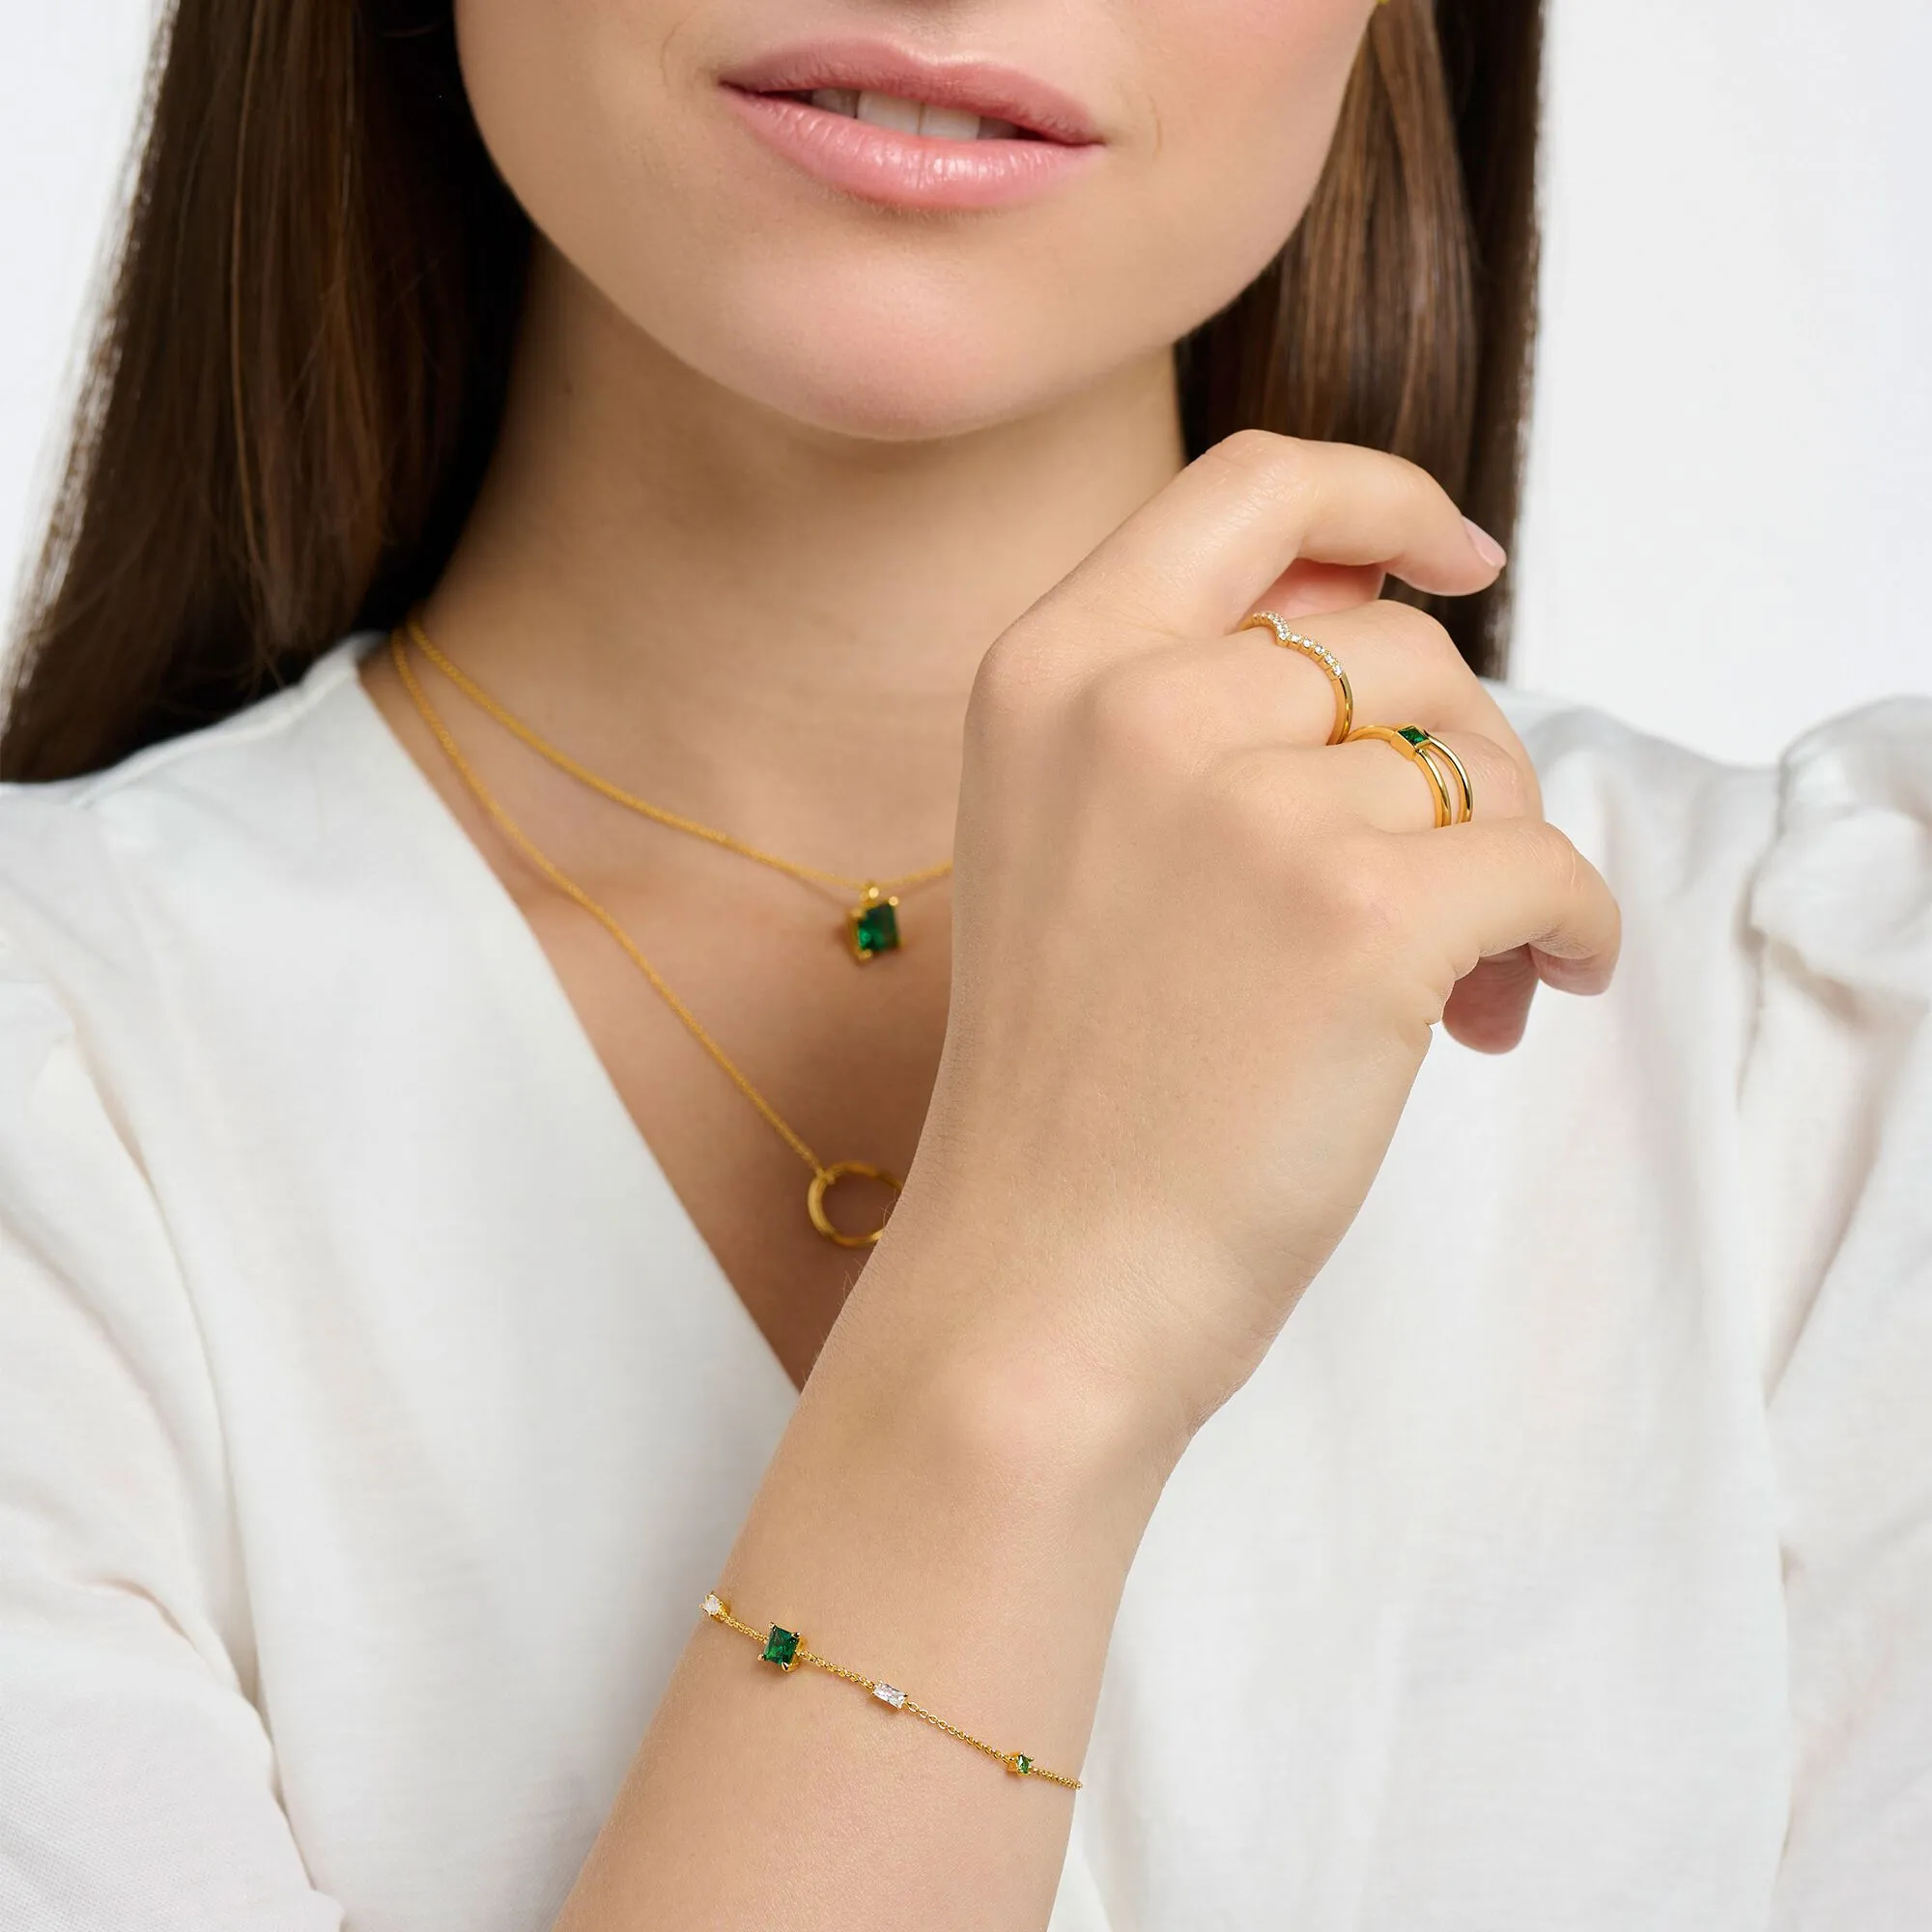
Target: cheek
{"type": "Point", "coordinates": [571, 100]}
{"type": "Point", "coordinates": [1247, 95]}
{"type": "Point", "coordinates": [605, 119]}
{"type": "Point", "coordinates": [578, 105]}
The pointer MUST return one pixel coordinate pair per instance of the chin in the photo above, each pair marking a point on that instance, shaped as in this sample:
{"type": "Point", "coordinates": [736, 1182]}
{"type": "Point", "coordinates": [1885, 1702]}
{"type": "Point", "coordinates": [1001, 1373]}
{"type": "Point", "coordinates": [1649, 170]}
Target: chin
{"type": "Point", "coordinates": [886, 367]}
{"type": "Point", "coordinates": [889, 337]}
{"type": "Point", "coordinates": [887, 397]}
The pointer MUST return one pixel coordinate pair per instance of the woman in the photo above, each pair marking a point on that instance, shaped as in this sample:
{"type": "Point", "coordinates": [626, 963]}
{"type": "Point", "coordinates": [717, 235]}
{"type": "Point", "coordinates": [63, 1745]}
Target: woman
{"type": "Point", "coordinates": [575, 504]}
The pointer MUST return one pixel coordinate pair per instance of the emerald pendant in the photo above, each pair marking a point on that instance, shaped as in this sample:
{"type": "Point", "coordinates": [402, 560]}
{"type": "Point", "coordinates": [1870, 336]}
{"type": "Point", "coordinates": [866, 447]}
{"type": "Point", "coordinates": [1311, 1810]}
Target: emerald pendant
{"type": "Point", "coordinates": [782, 1647]}
{"type": "Point", "coordinates": [872, 925]}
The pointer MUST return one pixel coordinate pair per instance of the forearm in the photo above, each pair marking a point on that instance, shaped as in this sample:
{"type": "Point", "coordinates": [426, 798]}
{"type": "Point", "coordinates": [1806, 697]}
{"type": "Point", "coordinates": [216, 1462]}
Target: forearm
{"type": "Point", "coordinates": [1185, 1106]}
{"type": "Point", "coordinates": [956, 1534]}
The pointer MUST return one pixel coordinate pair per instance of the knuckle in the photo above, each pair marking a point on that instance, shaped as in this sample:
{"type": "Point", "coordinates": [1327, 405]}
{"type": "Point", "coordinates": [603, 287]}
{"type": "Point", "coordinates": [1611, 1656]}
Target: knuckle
{"type": "Point", "coordinates": [1425, 640]}
{"type": "Point", "coordinates": [1015, 682]}
{"type": "Point", "coordinates": [1502, 788]}
{"type": "Point", "coordinates": [1581, 912]}
{"type": "Point", "coordinates": [1506, 779]}
{"type": "Point", "coordinates": [1250, 446]}
{"type": "Point", "coordinates": [1526, 775]}
{"type": "Point", "coordinates": [1144, 713]}
{"type": "Point", "coordinates": [1339, 883]}
{"type": "Point", "coordinates": [1430, 646]}
{"type": "Point", "coordinates": [1553, 850]}
{"type": "Point", "coordinates": [1254, 812]}
{"type": "Point", "coordinates": [1261, 462]}
{"type": "Point", "coordinates": [1560, 870]}
{"type": "Point", "coordinates": [1358, 897]}
{"type": "Point", "coordinates": [1348, 882]}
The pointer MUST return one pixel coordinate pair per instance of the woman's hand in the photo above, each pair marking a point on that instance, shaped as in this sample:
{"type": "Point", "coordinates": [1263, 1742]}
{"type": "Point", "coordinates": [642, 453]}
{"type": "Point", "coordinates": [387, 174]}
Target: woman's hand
{"type": "Point", "coordinates": [1199, 951]}
{"type": "Point", "coordinates": [1198, 954]}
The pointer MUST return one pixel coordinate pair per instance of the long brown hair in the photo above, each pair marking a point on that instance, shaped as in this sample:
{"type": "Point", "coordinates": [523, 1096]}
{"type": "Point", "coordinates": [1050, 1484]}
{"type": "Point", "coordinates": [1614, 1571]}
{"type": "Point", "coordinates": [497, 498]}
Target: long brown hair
{"type": "Point", "coordinates": [298, 375]}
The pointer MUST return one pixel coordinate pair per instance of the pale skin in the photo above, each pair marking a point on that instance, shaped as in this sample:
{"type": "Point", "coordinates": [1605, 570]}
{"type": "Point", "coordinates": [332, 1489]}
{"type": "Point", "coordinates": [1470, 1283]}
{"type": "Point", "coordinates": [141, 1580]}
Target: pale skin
{"type": "Point", "coordinates": [866, 535]}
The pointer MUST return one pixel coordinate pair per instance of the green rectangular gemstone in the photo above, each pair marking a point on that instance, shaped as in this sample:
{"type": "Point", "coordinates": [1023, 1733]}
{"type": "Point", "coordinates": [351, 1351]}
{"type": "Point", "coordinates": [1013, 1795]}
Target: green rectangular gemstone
{"type": "Point", "coordinates": [782, 1647]}
{"type": "Point", "coordinates": [876, 930]}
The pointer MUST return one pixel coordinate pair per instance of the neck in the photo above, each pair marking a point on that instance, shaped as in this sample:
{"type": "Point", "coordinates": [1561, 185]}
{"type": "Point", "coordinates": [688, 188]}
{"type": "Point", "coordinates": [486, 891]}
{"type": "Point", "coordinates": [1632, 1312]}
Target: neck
{"type": "Point", "coordinates": [754, 620]}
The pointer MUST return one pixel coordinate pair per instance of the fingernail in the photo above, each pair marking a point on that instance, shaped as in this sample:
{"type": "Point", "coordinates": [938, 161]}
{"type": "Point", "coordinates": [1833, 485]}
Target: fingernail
{"type": "Point", "coordinates": [1486, 546]}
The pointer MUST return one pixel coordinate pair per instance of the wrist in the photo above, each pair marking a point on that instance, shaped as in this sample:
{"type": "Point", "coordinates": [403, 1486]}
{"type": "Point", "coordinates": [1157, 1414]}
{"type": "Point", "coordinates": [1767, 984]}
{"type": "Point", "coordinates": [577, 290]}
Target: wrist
{"type": "Point", "coordinates": [911, 1522]}
{"type": "Point", "coordinates": [990, 1371]}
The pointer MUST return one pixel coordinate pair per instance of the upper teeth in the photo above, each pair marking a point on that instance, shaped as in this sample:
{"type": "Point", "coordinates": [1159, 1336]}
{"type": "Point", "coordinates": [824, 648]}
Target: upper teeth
{"type": "Point", "coordinates": [912, 117]}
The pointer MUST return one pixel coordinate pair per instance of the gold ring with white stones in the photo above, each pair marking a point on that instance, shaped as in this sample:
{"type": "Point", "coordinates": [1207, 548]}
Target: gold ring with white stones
{"type": "Point", "coordinates": [1321, 654]}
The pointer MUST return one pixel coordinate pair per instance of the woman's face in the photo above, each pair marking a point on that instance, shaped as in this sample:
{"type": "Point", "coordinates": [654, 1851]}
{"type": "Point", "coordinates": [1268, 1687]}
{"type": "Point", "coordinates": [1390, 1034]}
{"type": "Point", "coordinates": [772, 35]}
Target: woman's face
{"type": "Point", "coordinates": [751, 183]}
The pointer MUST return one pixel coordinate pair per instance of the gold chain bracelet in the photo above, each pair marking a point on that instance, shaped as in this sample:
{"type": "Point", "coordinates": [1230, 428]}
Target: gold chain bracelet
{"type": "Point", "coordinates": [787, 1650]}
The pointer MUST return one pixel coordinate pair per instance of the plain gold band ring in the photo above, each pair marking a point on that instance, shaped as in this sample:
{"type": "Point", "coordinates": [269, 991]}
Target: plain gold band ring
{"type": "Point", "coordinates": [1321, 654]}
{"type": "Point", "coordinates": [1415, 745]}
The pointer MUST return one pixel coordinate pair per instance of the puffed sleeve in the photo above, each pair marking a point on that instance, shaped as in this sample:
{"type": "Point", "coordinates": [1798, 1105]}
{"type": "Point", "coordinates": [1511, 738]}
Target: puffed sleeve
{"type": "Point", "coordinates": [1837, 1114]}
{"type": "Point", "coordinates": [137, 1783]}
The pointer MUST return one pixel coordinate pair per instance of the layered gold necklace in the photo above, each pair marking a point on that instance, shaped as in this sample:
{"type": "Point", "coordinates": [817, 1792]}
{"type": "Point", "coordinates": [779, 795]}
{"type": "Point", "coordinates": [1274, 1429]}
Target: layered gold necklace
{"type": "Point", "coordinates": [872, 925]}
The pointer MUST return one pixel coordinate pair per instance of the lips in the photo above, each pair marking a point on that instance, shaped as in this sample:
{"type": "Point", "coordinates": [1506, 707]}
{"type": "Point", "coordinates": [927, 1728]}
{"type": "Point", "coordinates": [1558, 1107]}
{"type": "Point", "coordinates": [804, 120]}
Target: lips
{"type": "Point", "coordinates": [986, 89]}
{"type": "Point", "coordinates": [913, 116]}
{"type": "Point", "coordinates": [901, 130]}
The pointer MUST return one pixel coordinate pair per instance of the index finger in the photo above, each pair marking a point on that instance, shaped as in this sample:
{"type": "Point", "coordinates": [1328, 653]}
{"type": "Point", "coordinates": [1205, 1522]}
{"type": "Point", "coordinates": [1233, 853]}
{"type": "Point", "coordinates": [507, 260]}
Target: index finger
{"type": "Point", "coordinates": [1193, 559]}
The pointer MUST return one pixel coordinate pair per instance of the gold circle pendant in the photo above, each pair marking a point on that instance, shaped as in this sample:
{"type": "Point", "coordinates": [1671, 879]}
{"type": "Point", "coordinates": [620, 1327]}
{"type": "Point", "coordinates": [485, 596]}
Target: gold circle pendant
{"type": "Point", "coordinates": [829, 1177]}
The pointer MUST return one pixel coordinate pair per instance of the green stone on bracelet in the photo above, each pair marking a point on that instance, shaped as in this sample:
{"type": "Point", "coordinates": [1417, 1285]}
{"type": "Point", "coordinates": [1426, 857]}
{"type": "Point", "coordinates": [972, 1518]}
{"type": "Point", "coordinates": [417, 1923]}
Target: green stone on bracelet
{"type": "Point", "coordinates": [782, 1648]}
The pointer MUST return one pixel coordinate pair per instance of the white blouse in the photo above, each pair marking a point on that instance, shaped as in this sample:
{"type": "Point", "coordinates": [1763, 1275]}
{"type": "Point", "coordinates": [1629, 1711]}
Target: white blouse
{"type": "Point", "coordinates": [373, 1418]}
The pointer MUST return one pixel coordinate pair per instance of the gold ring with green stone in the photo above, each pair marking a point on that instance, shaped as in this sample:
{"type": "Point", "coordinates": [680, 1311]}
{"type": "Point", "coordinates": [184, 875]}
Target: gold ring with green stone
{"type": "Point", "coordinates": [1432, 745]}
{"type": "Point", "coordinates": [1415, 745]}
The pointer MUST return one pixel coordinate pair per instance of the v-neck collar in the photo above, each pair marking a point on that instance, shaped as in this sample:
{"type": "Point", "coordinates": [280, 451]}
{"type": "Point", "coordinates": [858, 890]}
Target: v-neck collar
{"type": "Point", "coordinates": [482, 902]}
{"type": "Point", "coordinates": [485, 907]}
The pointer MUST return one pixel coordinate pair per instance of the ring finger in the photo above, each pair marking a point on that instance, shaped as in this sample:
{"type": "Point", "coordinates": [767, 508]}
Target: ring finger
{"type": "Point", "coordinates": [1371, 781]}
{"type": "Point", "coordinates": [1402, 668]}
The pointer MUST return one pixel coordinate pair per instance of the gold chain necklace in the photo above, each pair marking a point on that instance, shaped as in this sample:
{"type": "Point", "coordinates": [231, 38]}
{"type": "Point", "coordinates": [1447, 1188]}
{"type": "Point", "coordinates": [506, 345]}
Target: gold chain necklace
{"type": "Point", "coordinates": [823, 1177]}
{"type": "Point", "coordinates": [871, 926]}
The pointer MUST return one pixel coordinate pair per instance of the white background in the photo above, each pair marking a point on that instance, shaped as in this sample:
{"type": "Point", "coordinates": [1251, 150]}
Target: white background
{"type": "Point", "coordinates": [1731, 472]}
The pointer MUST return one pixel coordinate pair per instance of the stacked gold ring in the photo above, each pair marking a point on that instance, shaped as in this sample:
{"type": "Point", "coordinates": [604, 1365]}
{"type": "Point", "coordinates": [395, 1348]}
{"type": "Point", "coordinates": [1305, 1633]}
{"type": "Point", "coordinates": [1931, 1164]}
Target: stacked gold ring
{"type": "Point", "coordinates": [1418, 747]}
{"type": "Point", "coordinates": [1411, 739]}
{"type": "Point", "coordinates": [1321, 654]}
